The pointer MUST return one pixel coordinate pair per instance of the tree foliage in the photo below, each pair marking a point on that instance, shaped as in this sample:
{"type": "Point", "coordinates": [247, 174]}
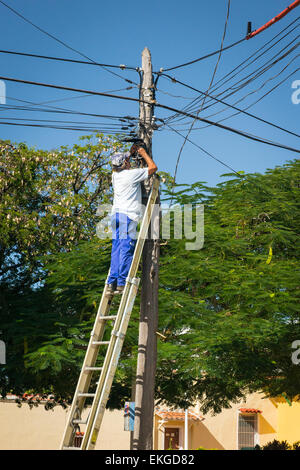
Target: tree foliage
{"type": "Point", "coordinates": [228, 312]}
{"type": "Point", "coordinates": [48, 203]}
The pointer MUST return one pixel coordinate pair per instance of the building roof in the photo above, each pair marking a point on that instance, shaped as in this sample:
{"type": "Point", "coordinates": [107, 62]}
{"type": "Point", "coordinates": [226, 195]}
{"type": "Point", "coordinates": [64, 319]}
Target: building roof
{"type": "Point", "coordinates": [177, 415]}
{"type": "Point", "coordinates": [249, 410]}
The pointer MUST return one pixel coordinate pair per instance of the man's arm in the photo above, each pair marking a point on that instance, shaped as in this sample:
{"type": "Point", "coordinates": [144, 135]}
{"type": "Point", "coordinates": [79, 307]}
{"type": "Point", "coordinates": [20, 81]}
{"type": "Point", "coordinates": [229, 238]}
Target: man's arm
{"type": "Point", "coordinates": [152, 168]}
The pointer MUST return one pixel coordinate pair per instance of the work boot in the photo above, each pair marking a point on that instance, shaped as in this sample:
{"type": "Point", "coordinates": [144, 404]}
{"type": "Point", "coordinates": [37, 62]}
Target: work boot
{"type": "Point", "coordinates": [119, 290]}
{"type": "Point", "coordinates": [110, 290]}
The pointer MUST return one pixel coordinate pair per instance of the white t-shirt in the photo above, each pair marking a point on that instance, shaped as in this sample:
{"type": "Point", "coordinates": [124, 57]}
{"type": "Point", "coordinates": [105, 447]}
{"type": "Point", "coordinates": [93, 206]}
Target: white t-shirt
{"type": "Point", "coordinates": [127, 192]}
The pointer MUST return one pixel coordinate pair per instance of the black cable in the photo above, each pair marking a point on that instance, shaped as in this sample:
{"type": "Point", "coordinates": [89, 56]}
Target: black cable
{"type": "Point", "coordinates": [258, 72]}
{"type": "Point", "coordinates": [206, 94]}
{"type": "Point", "coordinates": [203, 57]}
{"type": "Point", "coordinates": [190, 109]}
{"type": "Point", "coordinates": [103, 125]}
{"type": "Point", "coordinates": [58, 110]}
{"type": "Point", "coordinates": [61, 42]}
{"type": "Point", "coordinates": [62, 59]}
{"type": "Point", "coordinates": [231, 106]}
{"type": "Point", "coordinates": [169, 108]}
{"type": "Point", "coordinates": [252, 104]}
{"type": "Point", "coordinates": [260, 98]}
{"type": "Point", "coordinates": [81, 129]}
{"type": "Point", "coordinates": [221, 80]}
{"type": "Point", "coordinates": [203, 150]}
{"type": "Point", "coordinates": [214, 88]}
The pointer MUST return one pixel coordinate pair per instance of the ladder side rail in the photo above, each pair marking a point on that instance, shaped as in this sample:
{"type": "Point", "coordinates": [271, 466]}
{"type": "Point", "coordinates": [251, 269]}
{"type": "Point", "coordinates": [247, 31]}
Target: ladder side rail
{"type": "Point", "coordinates": [85, 378]}
{"type": "Point", "coordinates": [108, 355]}
{"type": "Point", "coordinates": [144, 229]}
{"type": "Point", "coordinates": [112, 366]}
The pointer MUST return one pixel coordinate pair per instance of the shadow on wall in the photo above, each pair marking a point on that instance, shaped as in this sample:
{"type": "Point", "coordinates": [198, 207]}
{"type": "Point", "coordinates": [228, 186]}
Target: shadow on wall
{"type": "Point", "coordinates": [264, 426]}
{"type": "Point", "coordinates": [202, 437]}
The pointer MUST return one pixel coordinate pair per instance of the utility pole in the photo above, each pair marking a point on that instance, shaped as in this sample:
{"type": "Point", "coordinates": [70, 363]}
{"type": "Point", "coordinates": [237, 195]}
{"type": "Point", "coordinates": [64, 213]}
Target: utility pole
{"type": "Point", "coordinates": [147, 342]}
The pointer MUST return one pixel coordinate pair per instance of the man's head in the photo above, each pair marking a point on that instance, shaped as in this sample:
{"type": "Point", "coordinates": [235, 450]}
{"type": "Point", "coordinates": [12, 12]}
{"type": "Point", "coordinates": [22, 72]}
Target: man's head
{"type": "Point", "coordinates": [121, 161]}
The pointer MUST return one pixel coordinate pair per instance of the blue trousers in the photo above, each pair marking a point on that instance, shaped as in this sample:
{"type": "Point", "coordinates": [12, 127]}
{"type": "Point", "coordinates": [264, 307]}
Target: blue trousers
{"type": "Point", "coordinates": [123, 244]}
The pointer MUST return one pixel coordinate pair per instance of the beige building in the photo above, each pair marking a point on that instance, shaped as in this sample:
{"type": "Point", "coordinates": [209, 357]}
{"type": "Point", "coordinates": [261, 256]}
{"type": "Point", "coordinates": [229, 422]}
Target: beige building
{"type": "Point", "coordinates": [256, 421]}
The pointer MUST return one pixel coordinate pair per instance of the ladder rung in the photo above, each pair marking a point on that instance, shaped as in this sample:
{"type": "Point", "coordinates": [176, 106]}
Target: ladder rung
{"type": "Point", "coordinates": [108, 317]}
{"type": "Point", "coordinates": [86, 395]}
{"type": "Point", "coordinates": [99, 343]}
{"type": "Point", "coordinates": [79, 421]}
{"type": "Point", "coordinates": [93, 368]}
{"type": "Point", "coordinates": [71, 448]}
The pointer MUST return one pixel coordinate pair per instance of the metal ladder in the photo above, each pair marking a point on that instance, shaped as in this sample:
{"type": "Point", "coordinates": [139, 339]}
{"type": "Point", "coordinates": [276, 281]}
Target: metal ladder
{"type": "Point", "coordinates": [114, 347]}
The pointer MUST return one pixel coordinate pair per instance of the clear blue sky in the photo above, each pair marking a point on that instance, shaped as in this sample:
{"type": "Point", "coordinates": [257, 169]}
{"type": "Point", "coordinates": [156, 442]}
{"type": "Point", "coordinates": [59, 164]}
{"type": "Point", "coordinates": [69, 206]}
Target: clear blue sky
{"type": "Point", "coordinates": [175, 32]}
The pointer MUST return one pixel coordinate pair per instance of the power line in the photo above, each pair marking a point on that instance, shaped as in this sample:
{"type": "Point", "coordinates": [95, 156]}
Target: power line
{"type": "Point", "coordinates": [64, 59]}
{"type": "Point", "coordinates": [159, 105]}
{"type": "Point", "coordinates": [260, 98]}
{"type": "Point", "coordinates": [222, 79]}
{"type": "Point", "coordinates": [296, 3]}
{"type": "Point", "coordinates": [231, 106]}
{"type": "Point", "coordinates": [246, 80]}
{"type": "Point", "coordinates": [58, 110]}
{"type": "Point", "coordinates": [70, 128]}
{"type": "Point", "coordinates": [205, 96]}
{"type": "Point", "coordinates": [203, 150]}
{"type": "Point", "coordinates": [274, 20]}
{"type": "Point", "coordinates": [61, 42]}
{"type": "Point", "coordinates": [110, 126]}
{"type": "Point", "coordinates": [203, 57]}
{"type": "Point", "coordinates": [252, 104]}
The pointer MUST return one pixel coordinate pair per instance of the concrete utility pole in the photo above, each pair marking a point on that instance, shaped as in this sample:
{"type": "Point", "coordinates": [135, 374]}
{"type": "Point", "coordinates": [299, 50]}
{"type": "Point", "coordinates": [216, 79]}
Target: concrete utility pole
{"type": "Point", "coordinates": [147, 345]}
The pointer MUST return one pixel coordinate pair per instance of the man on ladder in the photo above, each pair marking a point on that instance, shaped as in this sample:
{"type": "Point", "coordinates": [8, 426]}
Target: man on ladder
{"type": "Point", "coordinates": [126, 212]}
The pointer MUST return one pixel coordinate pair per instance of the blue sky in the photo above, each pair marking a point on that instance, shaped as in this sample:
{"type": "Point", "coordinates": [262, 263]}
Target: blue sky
{"type": "Point", "coordinates": [175, 32]}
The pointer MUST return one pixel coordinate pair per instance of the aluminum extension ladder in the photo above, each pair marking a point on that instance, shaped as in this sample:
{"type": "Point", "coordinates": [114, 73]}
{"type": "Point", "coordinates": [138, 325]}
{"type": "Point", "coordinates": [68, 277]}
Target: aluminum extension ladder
{"type": "Point", "coordinates": [114, 346]}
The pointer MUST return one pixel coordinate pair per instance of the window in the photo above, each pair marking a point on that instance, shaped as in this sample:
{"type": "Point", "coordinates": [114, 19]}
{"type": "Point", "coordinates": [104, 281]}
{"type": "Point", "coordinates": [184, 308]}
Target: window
{"type": "Point", "coordinates": [247, 431]}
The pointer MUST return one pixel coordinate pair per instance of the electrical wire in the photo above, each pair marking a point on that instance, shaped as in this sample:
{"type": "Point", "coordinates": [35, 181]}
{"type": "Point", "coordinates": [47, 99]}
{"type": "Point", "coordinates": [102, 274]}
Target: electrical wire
{"type": "Point", "coordinates": [110, 126]}
{"type": "Point", "coordinates": [227, 76]}
{"type": "Point", "coordinates": [222, 79]}
{"type": "Point", "coordinates": [254, 75]}
{"type": "Point", "coordinates": [203, 57]}
{"type": "Point", "coordinates": [63, 43]}
{"type": "Point", "coordinates": [58, 110]}
{"type": "Point", "coordinates": [205, 94]}
{"type": "Point", "coordinates": [252, 104]}
{"type": "Point", "coordinates": [202, 104]}
{"type": "Point", "coordinates": [71, 128]}
{"type": "Point", "coordinates": [260, 98]}
{"type": "Point", "coordinates": [213, 98]}
{"type": "Point", "coordinates": [159, 105]}
{"type": "Point", "coordinates": [203, 150]}
{"type": "Point", "coordinates": [274, 20]}
{"type": "Point", "coordinates": [64, 59]}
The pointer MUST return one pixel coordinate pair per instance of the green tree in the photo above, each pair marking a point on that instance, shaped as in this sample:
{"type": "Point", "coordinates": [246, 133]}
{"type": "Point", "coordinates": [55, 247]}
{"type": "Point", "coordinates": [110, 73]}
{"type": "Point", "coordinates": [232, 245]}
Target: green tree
{"type": "Point", "coordinates": [228, 312]}
{"type": "Point", "coordinates": [48, 203]}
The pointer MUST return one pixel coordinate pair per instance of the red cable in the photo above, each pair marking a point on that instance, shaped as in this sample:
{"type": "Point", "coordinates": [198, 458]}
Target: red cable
{"type": "Point", "coordinates": [274, 20]}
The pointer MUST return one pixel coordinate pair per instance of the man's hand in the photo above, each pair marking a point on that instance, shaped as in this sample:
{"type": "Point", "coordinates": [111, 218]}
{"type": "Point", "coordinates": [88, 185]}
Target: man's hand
{"type": "Point", "coordinates": [134, 149]}
{"type": "Point", "coordinates": [152, 168]}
